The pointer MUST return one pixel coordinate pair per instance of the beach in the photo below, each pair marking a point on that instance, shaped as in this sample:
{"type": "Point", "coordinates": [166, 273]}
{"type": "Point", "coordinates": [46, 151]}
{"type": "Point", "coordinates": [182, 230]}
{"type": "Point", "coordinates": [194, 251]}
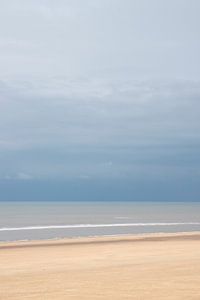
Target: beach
{"type": "Point", "coordinates": [150, 266]}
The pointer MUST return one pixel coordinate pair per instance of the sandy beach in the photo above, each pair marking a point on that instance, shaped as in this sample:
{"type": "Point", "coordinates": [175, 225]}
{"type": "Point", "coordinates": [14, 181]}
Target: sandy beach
{"type": "Point", "coordinates": [157, 266]}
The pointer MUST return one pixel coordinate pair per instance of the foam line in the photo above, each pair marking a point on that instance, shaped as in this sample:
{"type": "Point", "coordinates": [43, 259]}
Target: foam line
{"type": "Point", "coordinates": [95, 226]}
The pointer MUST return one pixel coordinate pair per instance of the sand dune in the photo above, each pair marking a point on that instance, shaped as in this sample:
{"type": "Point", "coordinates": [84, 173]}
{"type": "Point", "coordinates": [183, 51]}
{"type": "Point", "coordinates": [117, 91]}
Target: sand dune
{"type": "Point", "coordinates": [159, 266]}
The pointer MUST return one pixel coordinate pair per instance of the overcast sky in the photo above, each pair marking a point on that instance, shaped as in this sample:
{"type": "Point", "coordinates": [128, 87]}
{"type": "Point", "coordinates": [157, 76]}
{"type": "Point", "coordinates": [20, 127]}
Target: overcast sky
{"type": "Point", "coordinates": [99, 100]}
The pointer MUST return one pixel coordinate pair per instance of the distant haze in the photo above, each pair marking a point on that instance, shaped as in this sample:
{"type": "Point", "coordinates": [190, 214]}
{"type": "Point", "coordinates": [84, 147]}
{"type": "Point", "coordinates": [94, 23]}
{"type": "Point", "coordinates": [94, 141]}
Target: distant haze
{"type": "Point", "coordinates": [100, 100]}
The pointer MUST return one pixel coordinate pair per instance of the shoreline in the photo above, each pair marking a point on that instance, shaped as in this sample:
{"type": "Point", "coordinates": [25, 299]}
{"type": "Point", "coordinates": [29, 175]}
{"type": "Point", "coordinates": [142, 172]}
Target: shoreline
{"type": "Point", "coordinates": [140, 237]}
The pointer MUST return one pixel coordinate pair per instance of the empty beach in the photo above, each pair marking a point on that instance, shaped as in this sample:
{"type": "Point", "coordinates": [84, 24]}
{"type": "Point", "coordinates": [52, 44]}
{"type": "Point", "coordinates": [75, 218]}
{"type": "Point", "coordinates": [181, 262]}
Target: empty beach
{"type": "Point", "coordinates": [154, 266]}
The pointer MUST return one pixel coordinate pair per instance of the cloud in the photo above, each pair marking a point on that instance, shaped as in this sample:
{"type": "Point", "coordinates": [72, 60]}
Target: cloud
{"type": "Point", "coordinates": [18, 176]}
{"type": "Point", "coordinates": [99, 127]}
{"type": "Point", "coordinates": [117, 100]}
{"type": "Point", "coordinates": [70, 39]}
{"type": "Point", "coordinates": [24, 176]}
{"type": "Point", "coordinates": [90, 111]}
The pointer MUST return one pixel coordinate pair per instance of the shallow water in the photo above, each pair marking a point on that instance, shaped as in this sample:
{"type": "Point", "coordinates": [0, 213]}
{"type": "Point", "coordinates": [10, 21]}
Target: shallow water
{"type": "Point", "coordinates": [48, 220]}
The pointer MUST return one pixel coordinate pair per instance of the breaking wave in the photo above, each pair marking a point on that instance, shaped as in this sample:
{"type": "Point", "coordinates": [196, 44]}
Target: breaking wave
{"type": "Point", "coordinates": [95, 226]}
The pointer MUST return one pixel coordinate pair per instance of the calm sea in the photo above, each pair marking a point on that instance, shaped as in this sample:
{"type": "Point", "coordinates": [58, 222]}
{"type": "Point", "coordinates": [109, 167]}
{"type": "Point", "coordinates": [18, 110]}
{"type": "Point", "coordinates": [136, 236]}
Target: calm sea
{"type": "Point", "coordinates": [50, 220]}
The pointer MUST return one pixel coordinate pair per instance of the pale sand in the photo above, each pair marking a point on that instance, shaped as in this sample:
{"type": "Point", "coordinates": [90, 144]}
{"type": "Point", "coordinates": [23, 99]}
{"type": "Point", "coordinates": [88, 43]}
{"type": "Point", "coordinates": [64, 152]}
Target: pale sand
{"type": "Point", "coordinates": [158, 266]}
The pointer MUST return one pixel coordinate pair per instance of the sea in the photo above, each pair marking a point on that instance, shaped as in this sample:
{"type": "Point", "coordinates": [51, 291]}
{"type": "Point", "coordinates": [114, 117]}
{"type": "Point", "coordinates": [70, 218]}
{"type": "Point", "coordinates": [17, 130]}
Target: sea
{"type": "Point", "coordinates": [21, 221]}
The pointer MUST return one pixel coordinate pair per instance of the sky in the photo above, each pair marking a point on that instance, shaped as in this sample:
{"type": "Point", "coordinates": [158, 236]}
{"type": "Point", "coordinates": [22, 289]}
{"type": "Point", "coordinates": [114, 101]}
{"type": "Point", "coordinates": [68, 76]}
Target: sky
{"type": "Point", "coordinates": [100, 100]}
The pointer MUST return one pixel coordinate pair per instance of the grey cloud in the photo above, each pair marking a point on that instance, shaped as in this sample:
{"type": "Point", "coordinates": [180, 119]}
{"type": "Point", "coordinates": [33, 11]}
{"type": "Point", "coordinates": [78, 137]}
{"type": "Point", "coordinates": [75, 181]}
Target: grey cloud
{"type": "Point", "coordinates": [85, 113]}
{"type": "Point", "coordinates": [75, 37]}
{"type": "Point", "coordinates": [100, 89]}
{"type": "Point", "coordinates": [44, 130]}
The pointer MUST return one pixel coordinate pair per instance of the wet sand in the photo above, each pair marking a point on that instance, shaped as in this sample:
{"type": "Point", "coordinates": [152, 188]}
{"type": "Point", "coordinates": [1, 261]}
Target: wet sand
{"type": "Point", "coordinates": [156, 266]}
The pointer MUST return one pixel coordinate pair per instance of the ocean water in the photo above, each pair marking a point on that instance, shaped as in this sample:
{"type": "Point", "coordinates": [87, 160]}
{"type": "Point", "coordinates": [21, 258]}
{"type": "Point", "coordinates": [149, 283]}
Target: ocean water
{"type": "Point", "coordinates": [51, 220]}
